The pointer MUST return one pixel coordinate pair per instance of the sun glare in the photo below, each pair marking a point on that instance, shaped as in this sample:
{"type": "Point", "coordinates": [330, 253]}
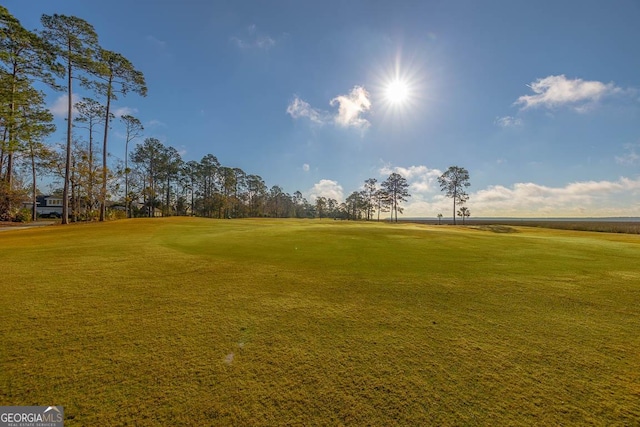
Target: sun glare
{"type": "Point", "coordinates": [397, 92]}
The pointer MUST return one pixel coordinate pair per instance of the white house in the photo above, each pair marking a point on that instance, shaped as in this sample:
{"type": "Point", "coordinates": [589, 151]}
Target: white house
{"type": "Point", "coordinates": [47, 206]}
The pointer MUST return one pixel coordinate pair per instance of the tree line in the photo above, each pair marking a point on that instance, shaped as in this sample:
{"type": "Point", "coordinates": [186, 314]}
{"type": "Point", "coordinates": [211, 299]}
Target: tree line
{"type": "Point", "coordinates": [63, 53]}
{"type": "Point", "coordinates": [160, 182]}
{"type": "Point", "coordinates": [164, 184]}
{"type": "Point", "coordinates": [153, 180]}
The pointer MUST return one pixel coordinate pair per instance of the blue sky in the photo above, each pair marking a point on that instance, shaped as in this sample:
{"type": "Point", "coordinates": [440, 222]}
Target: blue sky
{"type": "Point", "coordinates": [540, 101]}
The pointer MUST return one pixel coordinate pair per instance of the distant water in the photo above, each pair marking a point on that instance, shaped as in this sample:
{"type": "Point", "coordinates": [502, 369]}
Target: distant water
{"type": "Point", "coordinates": [512, 219]}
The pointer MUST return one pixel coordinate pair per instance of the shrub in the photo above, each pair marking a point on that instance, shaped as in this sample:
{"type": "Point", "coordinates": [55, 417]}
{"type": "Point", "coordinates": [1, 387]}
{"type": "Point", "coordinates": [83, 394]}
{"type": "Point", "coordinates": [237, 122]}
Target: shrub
{"type": "Point", "coordinates": [22, 215]}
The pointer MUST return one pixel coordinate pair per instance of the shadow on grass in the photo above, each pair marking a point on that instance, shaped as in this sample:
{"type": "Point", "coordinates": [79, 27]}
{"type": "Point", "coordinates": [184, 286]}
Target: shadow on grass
{"type": "Point", "coordinates": [496, 228]}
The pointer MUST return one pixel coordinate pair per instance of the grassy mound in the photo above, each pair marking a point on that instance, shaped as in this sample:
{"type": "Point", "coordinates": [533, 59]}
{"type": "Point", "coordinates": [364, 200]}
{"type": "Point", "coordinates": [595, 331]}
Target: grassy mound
{"type": "Point", "coordinates": [259, 322]}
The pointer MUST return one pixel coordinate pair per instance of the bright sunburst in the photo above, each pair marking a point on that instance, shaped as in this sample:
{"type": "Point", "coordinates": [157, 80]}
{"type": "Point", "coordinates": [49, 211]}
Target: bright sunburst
{"type": "Point", "coordinates": [397, 92]}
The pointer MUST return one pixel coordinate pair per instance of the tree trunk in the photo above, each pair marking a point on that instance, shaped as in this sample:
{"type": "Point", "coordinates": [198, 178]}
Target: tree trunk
{"type": "Point", "coordinates": [67, 166]}
{"type": "Point", "coordinates": [152, 192]}
{"type": "Point", "coordinates": [90, 183]}
{"type": "Point", "coordinates": [2, 150]}
{"type": "Point", "coordinates": [74, 193]}
{"type": "Point", "coordinates": [9, 171]}
{"type": "Point", "coordinates": [454, 207]}
{"type": "Point", "coordinates": [126, 179]}
{"type": "Point", "coordinates": [34, 211]}
{"type": "Point", "coordinates": [103, 192]}
{"type": "Point", "coordinates": [395, 204]}
{"type": "Point", "coordinates": [168, 194]}
{"type": "Point", "coordinates": [151, 197]}
{"type": "Point", "coordinates": [12, 118]}
{"type": "Point", "coordinates": [145, 195]}
{"type": "Point", "coordinates": [192, 191]}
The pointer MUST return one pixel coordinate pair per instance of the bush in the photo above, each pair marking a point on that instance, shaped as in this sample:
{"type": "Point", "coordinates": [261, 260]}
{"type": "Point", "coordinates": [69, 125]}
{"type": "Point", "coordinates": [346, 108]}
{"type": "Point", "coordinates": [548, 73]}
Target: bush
{"type": "Point", "coordinates": [9, 201]}
{"type": "Point", "coordinates": [22, 215]}
{"type": "Point", "coordinates": [116, 214]}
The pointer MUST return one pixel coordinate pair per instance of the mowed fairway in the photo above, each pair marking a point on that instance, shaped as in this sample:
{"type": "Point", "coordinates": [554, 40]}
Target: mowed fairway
{"type": "Point", "coordinates": [264, 322]}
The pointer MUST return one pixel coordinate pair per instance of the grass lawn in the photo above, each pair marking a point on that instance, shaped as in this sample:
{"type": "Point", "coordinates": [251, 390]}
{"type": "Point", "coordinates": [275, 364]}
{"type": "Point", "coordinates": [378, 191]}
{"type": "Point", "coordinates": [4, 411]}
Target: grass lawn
{"type": "Point", "coordinates": [263, 322]}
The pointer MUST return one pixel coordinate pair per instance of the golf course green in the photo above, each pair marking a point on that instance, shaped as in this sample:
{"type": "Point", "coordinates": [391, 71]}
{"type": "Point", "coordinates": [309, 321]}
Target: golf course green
{"type": "Point", "coordinates": [184, 321]}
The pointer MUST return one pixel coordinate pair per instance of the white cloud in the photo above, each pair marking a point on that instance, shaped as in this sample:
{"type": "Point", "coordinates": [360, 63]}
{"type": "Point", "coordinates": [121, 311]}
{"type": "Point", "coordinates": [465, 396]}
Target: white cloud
{"type": "Point", "coordinates": [59, 107]}
{"type": "Point", "coordinates": [590, 198]}
{"type": "Point", "coordinates": [584, 198]}
{"type": "Point", "coordinates": [557, 91]}
{"type": "Point", "coordinates": [351, 106]}
{"type": "Point", "coordinates": [508, 121]}
{"type": "Point", "coordinates": [427, 208]}
{"type": "Point", "coordinates": [299, 108]}
{"type": "Point", "coordinates": [421, 179]}
{"type": "Point", "coordinates": [349, 114]}
{"type": "Point", "coordinates": [265, 42]}
{"type": "Point", "coordinates": [423, 186]}
{"type": "Point", "coordinates": [305, 167]}
{"type": "Point", "coordinates": [155, 123]}
{"type": "Point", "coordinates": [631, 157]}
{"type": "Point", "coordinates": [326, 188]}
{"type": "Point", "coordinates": [123, 111]}
{"type": "Point", "coordinates": [261, 42]}
{"type": "Point", "coordinates": [253, 39]}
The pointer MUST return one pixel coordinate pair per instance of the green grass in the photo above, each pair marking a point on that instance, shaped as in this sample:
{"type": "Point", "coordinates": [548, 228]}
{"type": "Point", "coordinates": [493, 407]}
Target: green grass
{"type": "Point", "coordinates": [263, 322]}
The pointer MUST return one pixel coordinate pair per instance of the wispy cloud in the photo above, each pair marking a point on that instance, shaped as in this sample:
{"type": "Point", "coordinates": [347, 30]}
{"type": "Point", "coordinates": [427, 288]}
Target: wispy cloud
{"type": "Point", "coordinates": [59, 107]}
{"type": "Point", "coordinates": [252, 38]}
{"type": "Point", "coordinates": [157, 43]}
{"type": "Point", "coordinates": [182, 150]}
{"type": "Point", "coordinates": [631, 157]}
{"type": "Point", "coordinates": [123, 111]}
{"type": "Point", "coordinates": [299, 108]}
{"type": "Point", "coordinates": [558, 91]}
{"type": "Point", "coordinates": [155, 123]}
{"type": "Point", "coordinates": [326, 188]}
{"type": "Point", "coordinates": [351, 108]}
{"type": "Point", "coordinates": [508, 122]}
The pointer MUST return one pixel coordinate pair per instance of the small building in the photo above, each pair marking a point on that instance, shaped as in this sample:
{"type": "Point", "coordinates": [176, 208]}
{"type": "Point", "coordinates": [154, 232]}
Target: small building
{"type": "Point", "coordinates": [47, 206]}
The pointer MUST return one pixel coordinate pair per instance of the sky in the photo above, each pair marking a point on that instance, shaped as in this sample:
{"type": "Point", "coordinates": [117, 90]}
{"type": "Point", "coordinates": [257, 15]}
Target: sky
{"type": "Point", "coordinates": [538, 100]}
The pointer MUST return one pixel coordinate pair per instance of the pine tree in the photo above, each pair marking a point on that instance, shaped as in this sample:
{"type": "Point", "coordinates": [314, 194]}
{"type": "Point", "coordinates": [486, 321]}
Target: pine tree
{"type": "Point", "coordinates": [397, 191]}
{"type": "Point", "coordinates": [453, 182]}
{"type": "Point", "coordinates": [74, 41]}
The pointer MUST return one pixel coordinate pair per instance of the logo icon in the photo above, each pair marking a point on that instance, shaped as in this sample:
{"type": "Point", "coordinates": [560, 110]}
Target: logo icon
{"type": "Point", "coordinates": [32, 416]}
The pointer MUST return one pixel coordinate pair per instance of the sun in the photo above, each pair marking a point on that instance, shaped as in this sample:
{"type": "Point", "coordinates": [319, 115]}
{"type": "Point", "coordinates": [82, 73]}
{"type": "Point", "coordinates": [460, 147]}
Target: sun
{"type": "Point", "coordinates": [397, 92]}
